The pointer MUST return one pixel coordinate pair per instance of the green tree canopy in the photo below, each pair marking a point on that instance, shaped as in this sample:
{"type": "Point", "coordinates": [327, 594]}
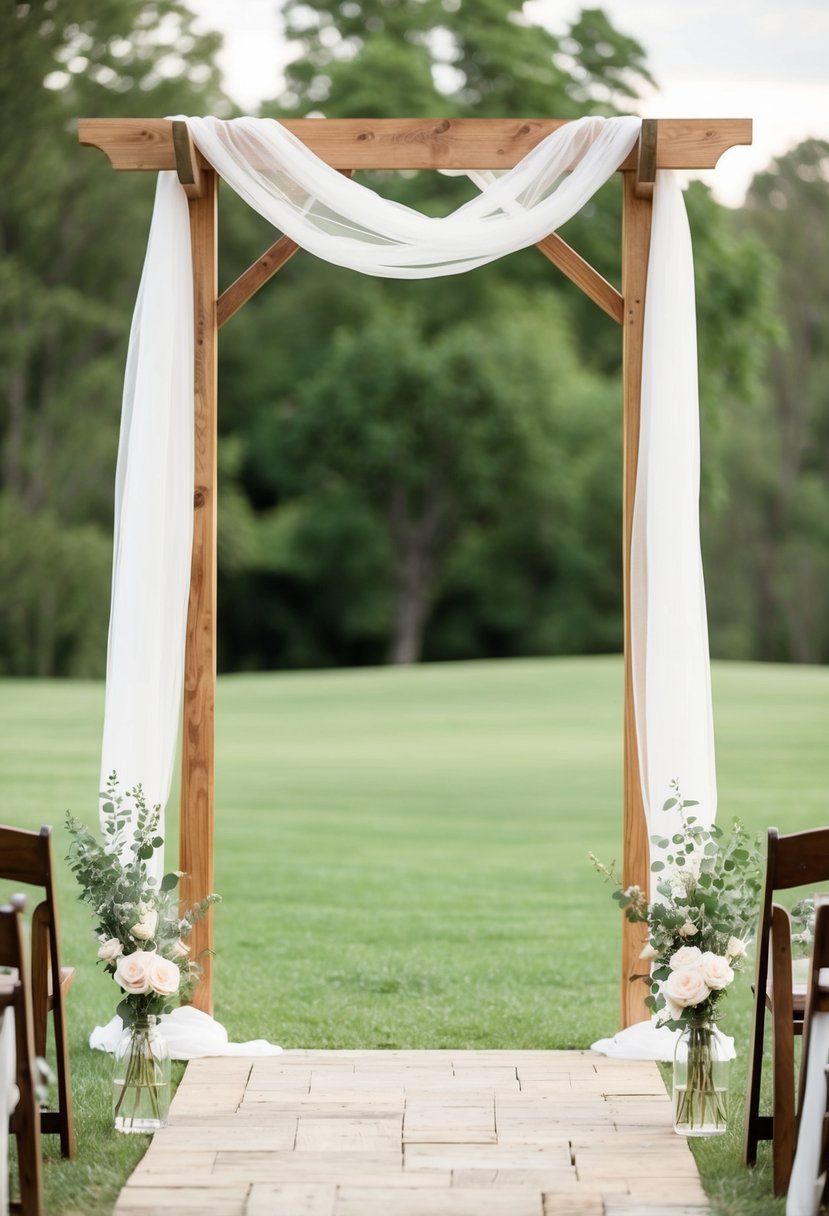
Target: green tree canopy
{"type": "Point", "coordinates": [71, 237]}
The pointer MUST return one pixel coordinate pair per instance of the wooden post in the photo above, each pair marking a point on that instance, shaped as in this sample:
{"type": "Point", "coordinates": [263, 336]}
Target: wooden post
{"type": "Point", "coordinates": [412, 143]}
{"type": "Point", "coordinates": [636, 235]}
{"type": "Point", "coordinates": [196, 823]}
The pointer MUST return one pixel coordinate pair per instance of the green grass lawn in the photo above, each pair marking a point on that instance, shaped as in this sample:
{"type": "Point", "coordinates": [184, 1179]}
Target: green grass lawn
{"type": "Point", "coordinates": [403, 860]}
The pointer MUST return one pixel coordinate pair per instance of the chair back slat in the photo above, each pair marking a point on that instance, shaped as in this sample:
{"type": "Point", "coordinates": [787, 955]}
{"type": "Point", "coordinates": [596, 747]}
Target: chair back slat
{"type": "Point", "coordinates": [24, 856]}
{"type": "Point", "coordinates": [801, 859]}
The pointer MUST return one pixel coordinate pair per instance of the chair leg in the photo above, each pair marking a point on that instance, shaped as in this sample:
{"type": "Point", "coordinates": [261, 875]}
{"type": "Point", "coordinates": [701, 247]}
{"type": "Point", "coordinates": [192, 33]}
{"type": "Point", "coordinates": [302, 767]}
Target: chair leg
{"type": "Point", "coordinates": [67, 1116]}
{"type": "Point", "coordinates": [782, 1052]}
{"type": "Point", "coordinates": [751, 1130]}
{"type": "Point", "coordinates": [40, 976]}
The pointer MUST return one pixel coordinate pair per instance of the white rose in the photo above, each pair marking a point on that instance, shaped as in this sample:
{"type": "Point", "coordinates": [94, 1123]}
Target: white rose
{"type": "Point", "coordinates": [179, 949]}
{"type": "Point", "coordinates": [689, 929]}
{"type": "Point", "coordinates": [164, 977]}
{"type": "Point", "coordinates": [674, 1011]}
{"type": "Point", "coordinates": [686, 958]}
{"type": "Point", "coordinates": [146, 926]}
{"type": "Point", "coordinates": [735, 948]}
{"type": "Point", "coordinates": [685, 987]}
{"type": "Point", "coordinates": [715, 970]}
{"type": "Point", "coordinates": [648, 953]}
{"type": "Point", "coordinates": [132, 971]}
{"type": "Point", "coordinates": [110, 950]}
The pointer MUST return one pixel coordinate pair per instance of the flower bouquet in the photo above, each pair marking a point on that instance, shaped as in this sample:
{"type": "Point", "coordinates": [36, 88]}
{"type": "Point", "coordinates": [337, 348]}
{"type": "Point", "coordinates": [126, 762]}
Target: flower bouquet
{"type": "Point", "coordinates": [700, 921]}
{"type": "Point", "coordinates": [142, 944]}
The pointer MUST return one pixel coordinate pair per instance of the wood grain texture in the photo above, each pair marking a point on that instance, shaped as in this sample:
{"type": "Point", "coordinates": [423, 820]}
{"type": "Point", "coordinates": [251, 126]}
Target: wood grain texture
{"type": "Point", "coordinates": [197, 760]}
{"type": "Point", "coordinates": [256, 276]}
{"type": "Point", "coordinates": [188, 162]}
{"type": "Point", "coordinates": [419, 143]}
{"type": "Point", "coordinates": [636, 232]}
{"type": "Point", "coordinates": [581, 273]}
{"type": "Point", "coordinates": [782, 1041]}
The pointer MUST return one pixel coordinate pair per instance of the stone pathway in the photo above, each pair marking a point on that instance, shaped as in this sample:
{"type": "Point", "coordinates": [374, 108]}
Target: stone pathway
{"type": "Point", "coordinates": [418, 1133]}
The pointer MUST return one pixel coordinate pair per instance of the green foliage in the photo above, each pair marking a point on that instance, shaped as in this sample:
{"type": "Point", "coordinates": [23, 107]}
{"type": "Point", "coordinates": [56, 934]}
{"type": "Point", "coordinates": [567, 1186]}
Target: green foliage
{"type": "Point", "coordinates": [704, 913]}
{"type": "Point", "coordinates": [768, 533]}
{"type": "Point", "coordinates": [71, 243]}
{"type": "Point", "coordinates": [309, 572]}
{"type": "Point", "coordinates": [137, 916]}
{"type": "Point", "coordinates": [483, 57]}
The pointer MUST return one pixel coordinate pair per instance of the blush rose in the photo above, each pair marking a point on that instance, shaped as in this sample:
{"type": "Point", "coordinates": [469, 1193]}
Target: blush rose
{"type": "Point", "coordinates": [683, 988]}
{"type": "Point", "coordinates": [685, 958]}
{"type": "Point", "coordinates": [133, 972]}
{"type": "Point", "coordinates": [164, 976]}
{"type": "Point", "coordinates": [715, 971]}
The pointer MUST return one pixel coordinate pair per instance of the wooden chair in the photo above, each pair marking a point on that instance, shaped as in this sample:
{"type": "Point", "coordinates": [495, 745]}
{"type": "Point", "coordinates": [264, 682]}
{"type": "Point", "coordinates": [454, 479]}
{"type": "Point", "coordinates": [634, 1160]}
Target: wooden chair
{"type": "Point", "coordinates": [799, 859]}
{"type": "Point", "coordinates": [15, 995]}
{"type": "Point", "coordinates": [26, 857]}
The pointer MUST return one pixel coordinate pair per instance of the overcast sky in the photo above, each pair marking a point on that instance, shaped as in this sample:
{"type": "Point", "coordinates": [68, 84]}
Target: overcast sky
{"type": "Point", "coordinates": [761, 59]}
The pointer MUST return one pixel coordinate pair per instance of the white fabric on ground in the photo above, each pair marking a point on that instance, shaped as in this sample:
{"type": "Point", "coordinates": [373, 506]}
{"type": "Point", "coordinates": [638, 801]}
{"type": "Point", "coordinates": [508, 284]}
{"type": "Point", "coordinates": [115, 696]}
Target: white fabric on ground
{"type": "Point", "coordinates": [647, 1041]}
{"type": "Point", "coordinates": [189, 1034]}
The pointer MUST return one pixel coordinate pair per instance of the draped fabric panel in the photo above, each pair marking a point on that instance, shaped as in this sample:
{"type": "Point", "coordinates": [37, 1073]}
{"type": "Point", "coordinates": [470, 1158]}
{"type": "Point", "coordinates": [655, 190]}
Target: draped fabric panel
{"type": "Point", "coordinates": [153, 514]}
{"type": "Point", "coordinates": [669, 627]}
{"type": "Point", "coordinates": [350, 225]}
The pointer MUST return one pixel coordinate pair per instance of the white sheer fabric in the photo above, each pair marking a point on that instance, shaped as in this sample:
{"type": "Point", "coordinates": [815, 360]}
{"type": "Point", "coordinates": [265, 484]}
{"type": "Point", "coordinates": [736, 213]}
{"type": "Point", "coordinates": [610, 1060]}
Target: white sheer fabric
{"type": "Point", "coordinates": [343, 222]}
{"type": "Point", "coordinates": [347, 224]}
{"type": "Point", "coordinates": [9, 1096]}
{"type": "Point", "coordinates": [153, 515]}
{"type": "Point", "coordinates": [669, 628]}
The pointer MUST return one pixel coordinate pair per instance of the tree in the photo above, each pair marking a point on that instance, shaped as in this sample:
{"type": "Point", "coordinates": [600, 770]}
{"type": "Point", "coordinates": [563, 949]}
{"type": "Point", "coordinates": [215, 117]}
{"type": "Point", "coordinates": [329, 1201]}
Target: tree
{"type": "Point", "coordinates": [71, 236]}
{"type": "Point", "coordinates": [515, 585]}
{"type": "Point", "coordinates": [775, 453]}
{"type": "Point", "coordinates": [434, 437]}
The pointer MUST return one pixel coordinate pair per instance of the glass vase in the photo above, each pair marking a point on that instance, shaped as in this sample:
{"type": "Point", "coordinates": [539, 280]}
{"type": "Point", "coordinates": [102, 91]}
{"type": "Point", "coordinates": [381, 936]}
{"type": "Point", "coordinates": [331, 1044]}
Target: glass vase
{"type": "Point", "coordinates": [700, 1082]}
{"type": "Point", "coordinates": [141, 1079]}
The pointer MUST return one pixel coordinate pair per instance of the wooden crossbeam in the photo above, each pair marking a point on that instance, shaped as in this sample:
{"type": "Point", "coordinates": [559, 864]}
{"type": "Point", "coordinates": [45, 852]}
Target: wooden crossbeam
{"type": "Point", "coordinates": [419, 143]}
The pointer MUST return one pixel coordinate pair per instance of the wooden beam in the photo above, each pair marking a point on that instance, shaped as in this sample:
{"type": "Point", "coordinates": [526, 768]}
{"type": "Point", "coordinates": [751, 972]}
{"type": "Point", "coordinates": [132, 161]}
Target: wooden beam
{"type": "Point", "coordinates": [196, 822]}
{"type": "Point", "coordinates": [419, 143]}
{"type": "Point", "coordinates": [188, 166]}
{"type": "Point", "coordinates": [248, 283]}
{"type": "Point", "coordinates": [646, 161]}
{"type": "Point", "coordinates": [636, 235]}
{"type": "Point", "coordinates": [583, 275]}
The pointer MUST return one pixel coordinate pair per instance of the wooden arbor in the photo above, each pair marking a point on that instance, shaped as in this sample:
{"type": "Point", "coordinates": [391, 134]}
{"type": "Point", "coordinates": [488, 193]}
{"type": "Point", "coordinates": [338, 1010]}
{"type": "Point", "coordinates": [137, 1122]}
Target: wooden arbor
{"type": "Point", "coordinates": [348, 145]}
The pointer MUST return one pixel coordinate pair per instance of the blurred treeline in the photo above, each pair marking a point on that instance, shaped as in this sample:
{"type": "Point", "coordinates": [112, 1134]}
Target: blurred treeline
{"type": "Point", "coordinates": [426, 469]}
